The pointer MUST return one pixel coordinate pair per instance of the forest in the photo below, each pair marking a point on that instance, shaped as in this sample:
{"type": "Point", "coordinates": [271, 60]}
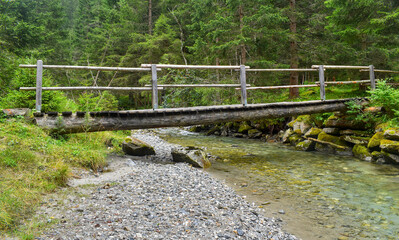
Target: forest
{"type": "Point", "coordinates": [128, 33]}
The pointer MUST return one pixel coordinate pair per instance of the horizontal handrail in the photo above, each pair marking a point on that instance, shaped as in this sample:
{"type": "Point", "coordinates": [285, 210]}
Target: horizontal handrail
{"type": "Point", "coordinates": [198, 85]}
{"type": "Point", "coordinates": [283, 70]}
{"type": "Point", "coordinates": [340, 67]}
{"type": "Point", "coordinates": [122, 69]}
{"type": "Point", "coordinates": [380, 70]}
{"type": "Point", "coordinates": [90, 88]}
{"type": "Point", "coordinates": [192, 66]}
{"type": "Point", "coordinates": [281, 87]}
{"type": "Point", "coordinates": [348, 82]}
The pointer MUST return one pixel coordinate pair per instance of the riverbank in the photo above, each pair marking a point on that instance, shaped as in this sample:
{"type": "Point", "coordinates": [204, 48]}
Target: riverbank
{"type": "Point", "coordinates": [141, 199]}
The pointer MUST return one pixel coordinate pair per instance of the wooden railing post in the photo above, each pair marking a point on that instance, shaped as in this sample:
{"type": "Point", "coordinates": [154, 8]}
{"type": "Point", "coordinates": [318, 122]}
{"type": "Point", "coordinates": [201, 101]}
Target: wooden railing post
{"type": "Point", "coordinates": [39, 80]}
{"type": "Point", "coordinates": [154, 82]}
{"type": "Point", "coordinates": [322, 84]}
{"type": "Point", "coordinates": [372, 77]}
{"type": "Point", "coordinates": [243, 81]}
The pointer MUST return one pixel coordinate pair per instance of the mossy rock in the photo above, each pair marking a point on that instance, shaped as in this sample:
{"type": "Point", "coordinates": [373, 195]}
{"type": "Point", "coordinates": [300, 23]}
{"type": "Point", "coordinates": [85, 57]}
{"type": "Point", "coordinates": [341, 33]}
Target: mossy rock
{"type": "Point", "coordinates": [391, 158]}
{"type": "Point", "coordinates": [287, 134]}
{"type": "Point", "coordinates": [356, 140]}
{"type": "Point", "coordinates": [343, 123]}
{"type": "Point", "coordinates": [213, 130]}
{"type": "Point", "coordinates": [294, 139]}
{"type": "Point", "coordinates": [331, 131]}
{"type": "Point", "coordinates": [291, 124]}
{"type": "Point", "coordinates": [351, 132]}
{"type": "Point", "coordinates": [392, 134]}
{"type": "Point", "coordinates": [377, 155]}
{"type": "Point", "coordinates": [306, 145]}
{"type": "Point", "coordinates": [313, 132]}
{"type": "Point", "coordinates": [135, 147]}
{"type": "Point", "coordinates": [390, 146]}
{"type": "Point", "coordinates": [375, 140]}
{"type": "Point", "coordinates": [244, 127]}
{"type": "Point", "coordinates": [381, 127]}
{"type": "Point", "coordinates": [254, 133]}
{"type": "Point", "coordinates": [362, 153]}
{"type": "Point", "coordinates": [195, 157]}
{"type": "Point", "coordinates": [196, 129]}
{"type": "Point", "coordinates": [332, 139]}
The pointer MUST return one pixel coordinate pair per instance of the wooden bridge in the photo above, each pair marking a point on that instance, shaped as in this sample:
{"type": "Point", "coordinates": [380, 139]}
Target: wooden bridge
{"type": "Point", "coordinates": [68, 122]}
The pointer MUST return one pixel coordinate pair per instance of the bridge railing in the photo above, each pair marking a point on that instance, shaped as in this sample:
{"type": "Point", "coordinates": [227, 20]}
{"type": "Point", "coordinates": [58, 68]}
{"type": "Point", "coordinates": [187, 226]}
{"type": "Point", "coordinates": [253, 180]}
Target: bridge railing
{"type": "Point", "coordinates": [154, 87]}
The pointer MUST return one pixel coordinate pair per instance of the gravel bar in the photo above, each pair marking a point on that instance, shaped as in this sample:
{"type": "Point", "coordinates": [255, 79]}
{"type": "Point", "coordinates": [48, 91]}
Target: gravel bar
{"type": "Point", "coordinates": [157, 201]}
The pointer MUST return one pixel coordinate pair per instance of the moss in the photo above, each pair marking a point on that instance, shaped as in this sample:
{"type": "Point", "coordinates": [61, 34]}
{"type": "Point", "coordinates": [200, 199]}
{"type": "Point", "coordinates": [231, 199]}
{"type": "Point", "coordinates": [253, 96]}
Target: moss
{"type": "Point", "coordinates": [332, 139]}
{"type": "Point", "coordinates": [313, 132]}
{"type": "Point", "coordinates": [294, 139]}
{"type": "Point", "coordinates": [392, 133]}
{"type": "Point", "coordinates": [375, 140]}
{"type": "Point", "coordinates": [361, 152]}
{"type": "Point", "coordinates": [390, 146]}
{"type": "Point", "coordinates": [291, 124]}
{"type": "Point", "coordinates": [244, 127]}
{"type": "Point", "coordinates": [381, 127]}
{"type": "Point", "coordinates": [306, 145]}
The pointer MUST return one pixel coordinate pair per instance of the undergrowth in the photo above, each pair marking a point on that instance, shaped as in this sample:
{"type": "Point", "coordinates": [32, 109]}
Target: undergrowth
{"type": "Point", "coordinates": [32, 164]}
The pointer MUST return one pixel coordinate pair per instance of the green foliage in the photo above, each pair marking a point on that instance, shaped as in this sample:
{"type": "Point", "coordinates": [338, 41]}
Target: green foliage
{"type": "Point", "coordinates": [104, 102]}
{"type": "Point", "coordinates": [388, 98]}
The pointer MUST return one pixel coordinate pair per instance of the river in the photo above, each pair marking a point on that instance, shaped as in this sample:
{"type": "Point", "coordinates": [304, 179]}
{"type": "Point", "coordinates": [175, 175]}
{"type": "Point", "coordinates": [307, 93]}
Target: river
{"type": "Point", "coordinates": [318, 196]}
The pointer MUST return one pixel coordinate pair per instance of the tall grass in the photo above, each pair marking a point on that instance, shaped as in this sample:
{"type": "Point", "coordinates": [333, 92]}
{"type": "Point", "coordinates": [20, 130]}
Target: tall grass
{"type": "Point", "coordinates": [32, 164]}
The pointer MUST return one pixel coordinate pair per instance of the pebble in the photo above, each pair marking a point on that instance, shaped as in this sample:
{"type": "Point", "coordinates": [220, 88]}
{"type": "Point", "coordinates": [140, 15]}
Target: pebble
{"type": "Point", "coordinates": [160, 201]}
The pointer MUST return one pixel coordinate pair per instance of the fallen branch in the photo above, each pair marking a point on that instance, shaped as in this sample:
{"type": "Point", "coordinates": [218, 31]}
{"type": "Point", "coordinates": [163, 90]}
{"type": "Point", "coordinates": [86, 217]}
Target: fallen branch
{"type": "Point", "coordinates": [328, 143]}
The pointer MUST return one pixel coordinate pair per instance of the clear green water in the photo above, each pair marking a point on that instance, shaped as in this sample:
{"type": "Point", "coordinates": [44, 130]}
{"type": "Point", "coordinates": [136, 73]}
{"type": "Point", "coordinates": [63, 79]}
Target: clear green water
{"type": "Point", "coordinates": [341, 196]}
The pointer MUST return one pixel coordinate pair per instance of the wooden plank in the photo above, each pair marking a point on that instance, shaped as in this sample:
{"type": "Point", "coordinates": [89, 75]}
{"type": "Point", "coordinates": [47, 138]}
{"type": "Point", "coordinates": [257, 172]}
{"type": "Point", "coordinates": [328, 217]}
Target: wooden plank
{"type": "Point", "coordinates": [340, 67]}
{"type": "Point", "coordinates": [90, 88]}
{"type": "Point", "coordinates": [39, 79]}
{"type": "Point", "coordinates": [322, 83]}
{"type": "Point", "coordinates": [283, 70]}
{"type": "Point", "coordinates": [198, 85]}
{"type": "Point", "coordinates": [154, 82]}
{"type": "Point", "coordinates": [372, 77]}
{"type": "Point", "coordinates": [122, 69]}
{"type": "Point", "coordinates": [243, 81]}
{"type": "Point", "coordinates": [191, 66]}
{"type": "Point", "coordinates": [280, 87]}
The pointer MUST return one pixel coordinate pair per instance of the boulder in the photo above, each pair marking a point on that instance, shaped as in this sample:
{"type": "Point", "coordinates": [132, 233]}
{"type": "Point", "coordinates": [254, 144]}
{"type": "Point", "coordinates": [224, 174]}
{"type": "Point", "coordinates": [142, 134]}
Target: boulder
{"type": "Point", "coordinates": [313, 132]}
{"type": "Point", "coordinates": [375, 141]}
{"type": "Point", "coordinates": [377, 155]}
{"type": "Point", "coordinates": [344, 123]}
{"type": "Point", "coordinates": [194, 156]}
{"type": "Point", "coordinates": [381, 127]}
{"type": "Point", "coordinates": [254, 133]}
{"type": "Point", "coordinates": [287, 135]}
{"type": "Point", "coordinates": [244, 127]}
{"type": "Point", "coordinates": [216, 128]}
{"type": "Point", "coordinates": [135, 147]}
{"type": "Point", "coordinates": [238, 135]}
{"type": "Point", "coordinates": [301, 127]}
{"type": "Point", "coordinates": [351, 132]}
{"type": "Point", "coordinates": [361, 152]}
{"type": "Point", "coordinates": [306, 145]}
{"type": "Point", "coordinates": [391, 158]}
{"type": "Point", "coordinates": [390, 146]}
{"type": "Point", "coordinates": [332, 144]}
{"type": "Point", "coordinates": [294, 139]}
{"type": "Point", "coordinates": [392, 134]}
{"type": "Point", "coordinates": [356, 140]}
{"type": "Point", "coordinates": [17, 112]}
{"type": "Point", "coordinates": [332, 131]}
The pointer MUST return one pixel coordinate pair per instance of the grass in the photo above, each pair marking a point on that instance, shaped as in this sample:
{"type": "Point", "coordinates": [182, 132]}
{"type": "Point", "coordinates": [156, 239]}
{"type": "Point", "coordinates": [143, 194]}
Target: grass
{"type": "Point", "coordinates": [33, 164]}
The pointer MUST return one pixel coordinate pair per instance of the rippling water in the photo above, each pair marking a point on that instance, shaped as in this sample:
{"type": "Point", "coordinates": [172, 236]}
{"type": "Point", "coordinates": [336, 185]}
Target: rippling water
{"type": "Point", "coordinates": [322, 196]}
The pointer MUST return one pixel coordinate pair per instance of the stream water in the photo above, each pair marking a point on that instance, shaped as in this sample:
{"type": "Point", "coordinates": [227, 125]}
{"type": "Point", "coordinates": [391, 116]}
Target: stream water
{"type": "Point", "coordinates": [318, 196]}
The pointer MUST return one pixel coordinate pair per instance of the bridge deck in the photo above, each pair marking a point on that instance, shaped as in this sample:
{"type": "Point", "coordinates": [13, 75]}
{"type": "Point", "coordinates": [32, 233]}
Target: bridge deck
{"type": "Point", "coordinates": [172, 117]}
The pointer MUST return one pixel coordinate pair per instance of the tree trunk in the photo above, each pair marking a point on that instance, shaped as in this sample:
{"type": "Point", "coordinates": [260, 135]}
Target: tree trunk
{"type": "Point", "coordinates": [294, 92]}
{"type": "Point", "coordinates": [243, 51]}
{"type": "Point", "coordinates": [150, 17]}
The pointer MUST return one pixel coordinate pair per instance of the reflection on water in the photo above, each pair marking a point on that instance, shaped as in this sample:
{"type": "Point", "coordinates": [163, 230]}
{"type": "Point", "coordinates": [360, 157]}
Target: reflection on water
{"type": "Point", "coordinates": [359, 200]}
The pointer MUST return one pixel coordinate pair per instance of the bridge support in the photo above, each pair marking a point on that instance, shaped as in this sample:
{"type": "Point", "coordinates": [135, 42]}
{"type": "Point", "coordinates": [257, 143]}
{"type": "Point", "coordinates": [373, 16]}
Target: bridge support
{"type": "Point", "coordinates": [243, 81]}
{"type": "Point", "coordinates": [322, 83]}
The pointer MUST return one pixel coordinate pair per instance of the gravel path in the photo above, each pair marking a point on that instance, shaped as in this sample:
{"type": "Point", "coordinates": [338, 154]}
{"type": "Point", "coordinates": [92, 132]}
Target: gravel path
{"type": "Point", "coordinates": [155, 201]}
